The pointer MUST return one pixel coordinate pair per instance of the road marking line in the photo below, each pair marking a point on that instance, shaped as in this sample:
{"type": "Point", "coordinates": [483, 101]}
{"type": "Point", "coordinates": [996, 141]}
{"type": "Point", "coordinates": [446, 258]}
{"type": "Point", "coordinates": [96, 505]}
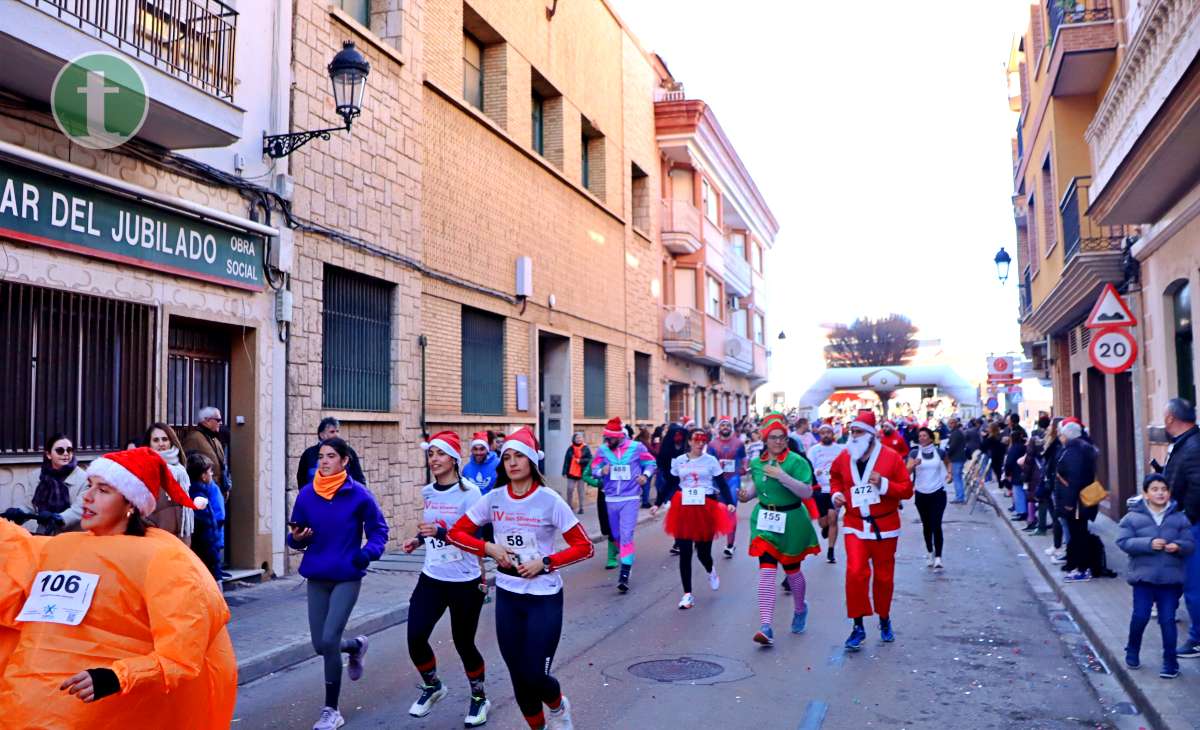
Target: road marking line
{"type": "Point", "coordinates": [814, 715]}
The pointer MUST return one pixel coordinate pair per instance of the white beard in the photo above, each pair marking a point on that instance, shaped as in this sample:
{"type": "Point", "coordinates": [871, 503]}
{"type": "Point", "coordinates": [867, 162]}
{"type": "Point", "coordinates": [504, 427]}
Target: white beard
{"type": "Point", "coordinates": [858, 447]}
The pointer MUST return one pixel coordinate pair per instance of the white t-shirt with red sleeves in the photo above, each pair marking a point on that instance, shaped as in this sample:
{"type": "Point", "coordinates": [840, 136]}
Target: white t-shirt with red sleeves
{"type": "Point", "coordinates": [527, 527]}
{"type": "Point", "coordinates": [443, 507]}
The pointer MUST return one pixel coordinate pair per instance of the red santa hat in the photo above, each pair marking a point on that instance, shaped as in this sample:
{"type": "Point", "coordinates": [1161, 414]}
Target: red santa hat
{"type": "Point", "coordinates": [140, 475]}
{"type": "Point", "coordinates": [448, 442]}
{"type": "Point", "coordinates": [524, 442]}
{"type": "Point", "coordinates": [1071, 427]}
{"type": "Point", "coordinates": [865, 420]}
{"type": "Point", "coordinates": [724, 419]}
{"type": "Point", "coordinates": [613, 429]}
{"type": "Point", "coordinates": [479, 438]}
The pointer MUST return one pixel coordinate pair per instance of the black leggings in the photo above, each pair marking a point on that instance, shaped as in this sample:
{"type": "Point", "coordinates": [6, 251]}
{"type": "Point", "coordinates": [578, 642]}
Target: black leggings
{"type": "Point", "coordinates": [429, 601]}
{"type": "Point", "coordinates": [931, 507]}
{"type": "Point", "coordinates": [602, 513]}
{"type": "Point", "coordinates": [703, 552]}
{"type": "Point", "coordinates": [528, 628]}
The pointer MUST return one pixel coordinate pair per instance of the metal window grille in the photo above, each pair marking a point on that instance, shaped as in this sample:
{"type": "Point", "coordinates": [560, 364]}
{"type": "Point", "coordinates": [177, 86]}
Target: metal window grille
{"type": "Point", "coordinates": [193, 40]}
{"type": "Point", "coordinates": [357, 341]}
{"type": "Point", "coordinates": [482, 351]}
{"type": "Point", "coordinates": [594, 370]}
{"type": "Point", "coordinates": [79, 364]}
{"type": "Point", "coordinates": [197, 372]}
{"type": "Point", "coordinates": [641, 385]}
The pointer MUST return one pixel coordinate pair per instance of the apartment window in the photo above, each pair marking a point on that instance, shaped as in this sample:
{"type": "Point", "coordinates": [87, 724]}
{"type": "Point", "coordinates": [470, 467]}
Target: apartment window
{"type": "Point", "coordinates": [1049, 205]}
{"type": "Point", "coordinates": [708, 200]}
{"type": "Point", "coordinates": [739, 322]}
{"type": "Point", "coordinates": [759, 329]}
{"type": "Point", "coordinates": [78, 364]}
{"type": "Point", "coordinates": [360, 10]}
{"type": "Point", "coordinates": [737, 242]}
{"type": "Point", "coordinates": [356, 342]}
{"type": "Point", "coordinates": [641, 386]}
{"type": "Point", "coordinates": [591, 146]}
{"type": "Point", "coordinates": [639, 186]}
{"type": "Point", "coordinates": [1181, 319]}
{"type": "Point", "coordinates": [473, 72]}
{"type": "Point", "coordinates": [758, 257]}
{"type": "Point", "coordinates": [538, 107]}
{"type": "Point", "coordinates": [594, 374]}
{"type": "Point", "coordinates": [712, 300]}
{"type": "Point", "coordinates": [482, 362]}
{"type": "Point", "coordinates": [585, 175]}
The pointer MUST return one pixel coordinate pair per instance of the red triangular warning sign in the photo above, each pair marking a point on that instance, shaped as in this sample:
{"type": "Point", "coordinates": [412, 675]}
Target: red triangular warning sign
{"type": "Point", "coordinates": [1110, 311]}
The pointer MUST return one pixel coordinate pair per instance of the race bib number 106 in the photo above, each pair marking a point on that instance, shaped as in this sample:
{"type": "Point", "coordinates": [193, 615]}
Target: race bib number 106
{"type": "Point", "coordinates": [59, 597]}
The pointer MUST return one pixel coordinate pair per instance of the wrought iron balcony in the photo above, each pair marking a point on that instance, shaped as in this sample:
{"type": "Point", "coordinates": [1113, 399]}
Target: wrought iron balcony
{"type": "Point", "coordinates": [192, 40]}
{"type": "Point", "coordinates": [1081, 11]}
{"type": "Point", "coordinates": [1080, 233]}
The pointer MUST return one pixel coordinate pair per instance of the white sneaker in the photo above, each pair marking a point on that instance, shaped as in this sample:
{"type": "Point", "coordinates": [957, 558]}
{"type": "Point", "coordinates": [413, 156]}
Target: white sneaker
{"type": "Point", "coordinates": [478, 711]}
{"type": "Point", "coordinates": [729, 551]}
{"type": "Point", "coordinates": [560, 719]}
{"type": "Point", "coordinates": [1050, 550]}
{"type": "Point", "coordinates": [937, 564]}
{"type": "Point", "coordinates": [330, 719]}
{"type": "Point", "coordinates": [713, 581]}
{"type": "Point", "coordinates": [929, 560]}
{"type": "Point", "coordinates": [430, 696]}
{"type": "Point", "coordinates": [687, 601]}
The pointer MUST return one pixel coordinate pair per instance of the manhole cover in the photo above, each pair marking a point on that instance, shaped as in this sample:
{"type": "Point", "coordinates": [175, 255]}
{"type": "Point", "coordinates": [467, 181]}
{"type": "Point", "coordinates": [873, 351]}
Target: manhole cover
{"type": "Point", "coordinates": [683, 669]}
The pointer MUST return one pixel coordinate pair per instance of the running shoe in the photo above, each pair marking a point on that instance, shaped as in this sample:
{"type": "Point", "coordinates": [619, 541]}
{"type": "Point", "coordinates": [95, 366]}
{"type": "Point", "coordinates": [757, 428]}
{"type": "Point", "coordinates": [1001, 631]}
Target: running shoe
{"type": "Point", "coordinates": [477, 712]}
{"type": "Point", "coordinates": [1169, 673]}
{"type": "Point", "coordinates": [937, 564]}
{"type": "Point", "coordinates": [674, 550]}
{"type": "Point", "coordinates": [885, 630]}
{"type": "Point", "coordinates": [355, 669]}
{"type": "Point", "coordinates": [713, 581]}
{"type": "Point", "coordinates": [687, 601]}
{"type": "Point", "coordinates": [857, 636]}
{"type": "Point", "coordinates": [1188, 650]}
{"type": "Point", "coordinates": [623, 580]}
{"type": "Point", "coordinates": [765, 636]}
{"type": "Point", "coordinates": [784, 585]}
{"type": "Point", "coordinates": [1050, 550]}
{"type": "Point", "coordinates": [1078, 576]}
{"type": "Point", "coordinates": [829, 556]}
{"type": "Point", "coordinates": [560, 719]}
{"type": "Point", "coordinates": [330, 719]}
{"type": "Point", "coordinates": [729, 551]}
{"type": "Point", "coordinates": [800, 620]}
{"type": "Point", "coordinates": [929, 560]}
{"type": "Point", "coordinates": [1058, 558]}
{"type": "Point", "coordinates": [1032, 527]}
{"type": "Point", "coordinates": [1131, 660]}
{"type": "Point", "coordinates": [431, 694]}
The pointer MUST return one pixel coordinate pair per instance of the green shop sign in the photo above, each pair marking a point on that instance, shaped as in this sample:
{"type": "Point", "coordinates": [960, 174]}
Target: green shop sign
{"type": "Point", "coordinates": [50, 211]}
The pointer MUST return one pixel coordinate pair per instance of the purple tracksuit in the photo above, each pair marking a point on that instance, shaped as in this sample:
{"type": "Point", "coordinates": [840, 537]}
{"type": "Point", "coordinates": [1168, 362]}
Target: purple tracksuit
{"type": "Point", "coordinates": [622, 493]}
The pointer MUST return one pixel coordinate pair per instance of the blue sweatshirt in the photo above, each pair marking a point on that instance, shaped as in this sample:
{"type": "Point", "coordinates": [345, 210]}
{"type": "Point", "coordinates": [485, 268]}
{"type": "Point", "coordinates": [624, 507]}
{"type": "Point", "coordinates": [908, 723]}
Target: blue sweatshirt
{"type": "Point", "coordinates": [338, 525]}
{"type": "Point", "coordinates": [482, 475]}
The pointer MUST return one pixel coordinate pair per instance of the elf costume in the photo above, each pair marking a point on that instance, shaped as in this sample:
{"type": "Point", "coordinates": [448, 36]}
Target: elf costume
{"type": "Point", "coordinates": [781, 531]}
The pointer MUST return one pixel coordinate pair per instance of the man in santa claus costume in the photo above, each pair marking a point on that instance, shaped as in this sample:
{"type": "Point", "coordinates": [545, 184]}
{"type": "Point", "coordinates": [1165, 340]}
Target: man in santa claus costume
{"type": "Point", "coordinates": [871, 480]}
{"type": "Point", "coordinates": [892, 439]}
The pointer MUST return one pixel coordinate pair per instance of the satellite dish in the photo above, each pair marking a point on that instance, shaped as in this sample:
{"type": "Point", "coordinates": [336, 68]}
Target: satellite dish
{"type": "Point", "coordinates": [675, 321]}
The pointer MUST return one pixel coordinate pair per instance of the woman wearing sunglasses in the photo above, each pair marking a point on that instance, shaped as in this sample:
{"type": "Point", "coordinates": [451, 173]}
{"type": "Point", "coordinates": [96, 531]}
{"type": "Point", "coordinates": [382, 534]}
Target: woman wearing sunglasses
{"type": "Point", "coordinates": [60, 488]}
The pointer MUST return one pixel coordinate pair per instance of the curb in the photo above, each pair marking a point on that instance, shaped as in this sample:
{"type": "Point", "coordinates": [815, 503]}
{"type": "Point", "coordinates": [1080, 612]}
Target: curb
{"type": "Point", "coordinates": [1114, 661]}
{"type": "Point", "coordinates": [278, 658]}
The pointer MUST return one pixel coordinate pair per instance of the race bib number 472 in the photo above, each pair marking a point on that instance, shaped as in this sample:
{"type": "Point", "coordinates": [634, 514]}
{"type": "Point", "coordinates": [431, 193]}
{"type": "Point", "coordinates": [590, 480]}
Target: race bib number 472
{"type": "Point", "coordinates": [59, 597]}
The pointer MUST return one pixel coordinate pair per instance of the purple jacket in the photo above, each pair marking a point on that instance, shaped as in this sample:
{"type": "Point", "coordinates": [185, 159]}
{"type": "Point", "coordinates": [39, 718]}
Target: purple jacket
{"type": "Point", "coordinates": [631, 454]}
{"type": "Point", "coordinates": [338, 525]}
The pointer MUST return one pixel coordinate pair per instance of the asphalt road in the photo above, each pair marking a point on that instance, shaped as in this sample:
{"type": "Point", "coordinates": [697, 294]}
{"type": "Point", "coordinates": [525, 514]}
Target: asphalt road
{"type": "Point", "coordinates": [978, 646]}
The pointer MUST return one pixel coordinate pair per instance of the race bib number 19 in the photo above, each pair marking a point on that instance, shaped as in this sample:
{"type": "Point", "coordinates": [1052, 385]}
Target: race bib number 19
{"type": "Point", "coordinates": [693, 496]}
{"type": "Point", "coordinates": [772, 521]}
{"type": "Point", "coordinates": [59, 597]}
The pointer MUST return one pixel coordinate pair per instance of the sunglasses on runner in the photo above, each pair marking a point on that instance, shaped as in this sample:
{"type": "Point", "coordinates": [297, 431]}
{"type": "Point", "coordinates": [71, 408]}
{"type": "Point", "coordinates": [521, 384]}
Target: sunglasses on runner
{"type": "Point", "coordinates": [60, 450]}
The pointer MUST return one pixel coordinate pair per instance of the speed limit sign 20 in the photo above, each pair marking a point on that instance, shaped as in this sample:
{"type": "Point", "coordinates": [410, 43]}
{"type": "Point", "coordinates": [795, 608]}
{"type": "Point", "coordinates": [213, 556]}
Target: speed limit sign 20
{"type": "Point", "coordinates": [1113, 350]}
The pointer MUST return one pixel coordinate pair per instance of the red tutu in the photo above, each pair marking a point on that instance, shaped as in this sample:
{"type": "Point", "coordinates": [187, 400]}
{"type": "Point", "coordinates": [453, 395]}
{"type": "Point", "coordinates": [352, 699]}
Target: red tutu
{"type": "Point", "coordinates": [698, 522]}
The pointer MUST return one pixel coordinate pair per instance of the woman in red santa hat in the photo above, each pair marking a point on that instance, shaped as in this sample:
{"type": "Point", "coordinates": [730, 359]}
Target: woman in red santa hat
{"type": "Point", "coordinates": [120, 626]}
{"type": "Point", "coordinates": [450, 580]}
{"type": "Point", "coordinates": [527, 518]}
{"type": "Point", "coordinates": [871, 480]}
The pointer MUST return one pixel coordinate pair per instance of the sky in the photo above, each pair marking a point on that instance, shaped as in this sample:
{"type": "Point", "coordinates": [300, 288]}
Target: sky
{"type": "Point", "coordinates": [878, 133]}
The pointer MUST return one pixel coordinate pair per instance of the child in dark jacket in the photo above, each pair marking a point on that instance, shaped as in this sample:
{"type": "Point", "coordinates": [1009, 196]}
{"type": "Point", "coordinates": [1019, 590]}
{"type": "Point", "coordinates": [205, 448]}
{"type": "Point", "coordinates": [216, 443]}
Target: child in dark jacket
{"type": "Point", "coordinates": [1157, 536]}
{"type": "Point", "coordinates": [208, 538]}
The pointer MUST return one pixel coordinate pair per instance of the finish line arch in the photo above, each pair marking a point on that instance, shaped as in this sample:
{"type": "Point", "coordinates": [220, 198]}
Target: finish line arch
{"type": "Point", "coordinates": [889, 378]}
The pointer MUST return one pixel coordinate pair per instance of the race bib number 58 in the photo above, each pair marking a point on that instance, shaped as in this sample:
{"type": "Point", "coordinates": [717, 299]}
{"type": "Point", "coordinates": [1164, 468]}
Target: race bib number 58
{"type": "Point", "coordinates": [59, 597]}
{"type": "Point", "coordinates": [522, 546]}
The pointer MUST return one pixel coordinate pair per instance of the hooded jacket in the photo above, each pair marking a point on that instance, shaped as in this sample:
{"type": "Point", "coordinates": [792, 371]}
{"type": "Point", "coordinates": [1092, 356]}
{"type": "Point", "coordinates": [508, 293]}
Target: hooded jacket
{"type": "Point", "coordinates": [1147, 565]}
{"type": "Point", "coordinates": [629, 453]}
{"type": "Point", "coordinates": [482, 475]}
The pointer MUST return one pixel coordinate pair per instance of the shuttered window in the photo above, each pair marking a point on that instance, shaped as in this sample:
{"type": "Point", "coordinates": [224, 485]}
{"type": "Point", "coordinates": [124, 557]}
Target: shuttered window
{"type": "Point", "coordinates": [593, 379]}
{"type": "Point", "coordinates": [482, 362]}
{"type": "Point", "coordinates": [356, 343]}
{"type": "Point", "coordinates": [78, 364]}
{"type": "Point", "coordinates": [641, 385]}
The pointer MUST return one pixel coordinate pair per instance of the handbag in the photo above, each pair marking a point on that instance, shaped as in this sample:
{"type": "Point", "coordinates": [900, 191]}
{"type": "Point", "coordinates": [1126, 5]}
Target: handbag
{"type": "Point", "coordinates": [1093, 494]}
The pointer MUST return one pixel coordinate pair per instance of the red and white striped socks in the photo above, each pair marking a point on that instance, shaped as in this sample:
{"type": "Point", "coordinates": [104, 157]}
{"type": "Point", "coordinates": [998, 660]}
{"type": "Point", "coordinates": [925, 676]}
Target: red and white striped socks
{"type": "Point", "coordinates": [798, 585]}
{"type": "Point", "coordinates": [767, 593]}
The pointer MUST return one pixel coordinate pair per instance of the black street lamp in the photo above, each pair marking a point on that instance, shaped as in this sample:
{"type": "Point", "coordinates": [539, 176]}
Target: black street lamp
{"type": "Point", "coordinates": [348, 71]}
{"type": "Point", "coordinates": [1003, 262]}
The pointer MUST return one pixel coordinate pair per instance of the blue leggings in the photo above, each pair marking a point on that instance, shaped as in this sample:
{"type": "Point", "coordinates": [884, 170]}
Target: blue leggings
{"type": "Point", "coordinates": [528, 628]}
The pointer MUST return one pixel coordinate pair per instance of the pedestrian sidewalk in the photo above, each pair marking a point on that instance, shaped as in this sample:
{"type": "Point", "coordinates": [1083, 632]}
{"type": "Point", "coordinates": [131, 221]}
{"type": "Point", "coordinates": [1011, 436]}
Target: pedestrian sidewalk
{"type": "Point", "coordinates": [269, 623]}
{"type": "Point", "coordinates": [1102, 607]}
